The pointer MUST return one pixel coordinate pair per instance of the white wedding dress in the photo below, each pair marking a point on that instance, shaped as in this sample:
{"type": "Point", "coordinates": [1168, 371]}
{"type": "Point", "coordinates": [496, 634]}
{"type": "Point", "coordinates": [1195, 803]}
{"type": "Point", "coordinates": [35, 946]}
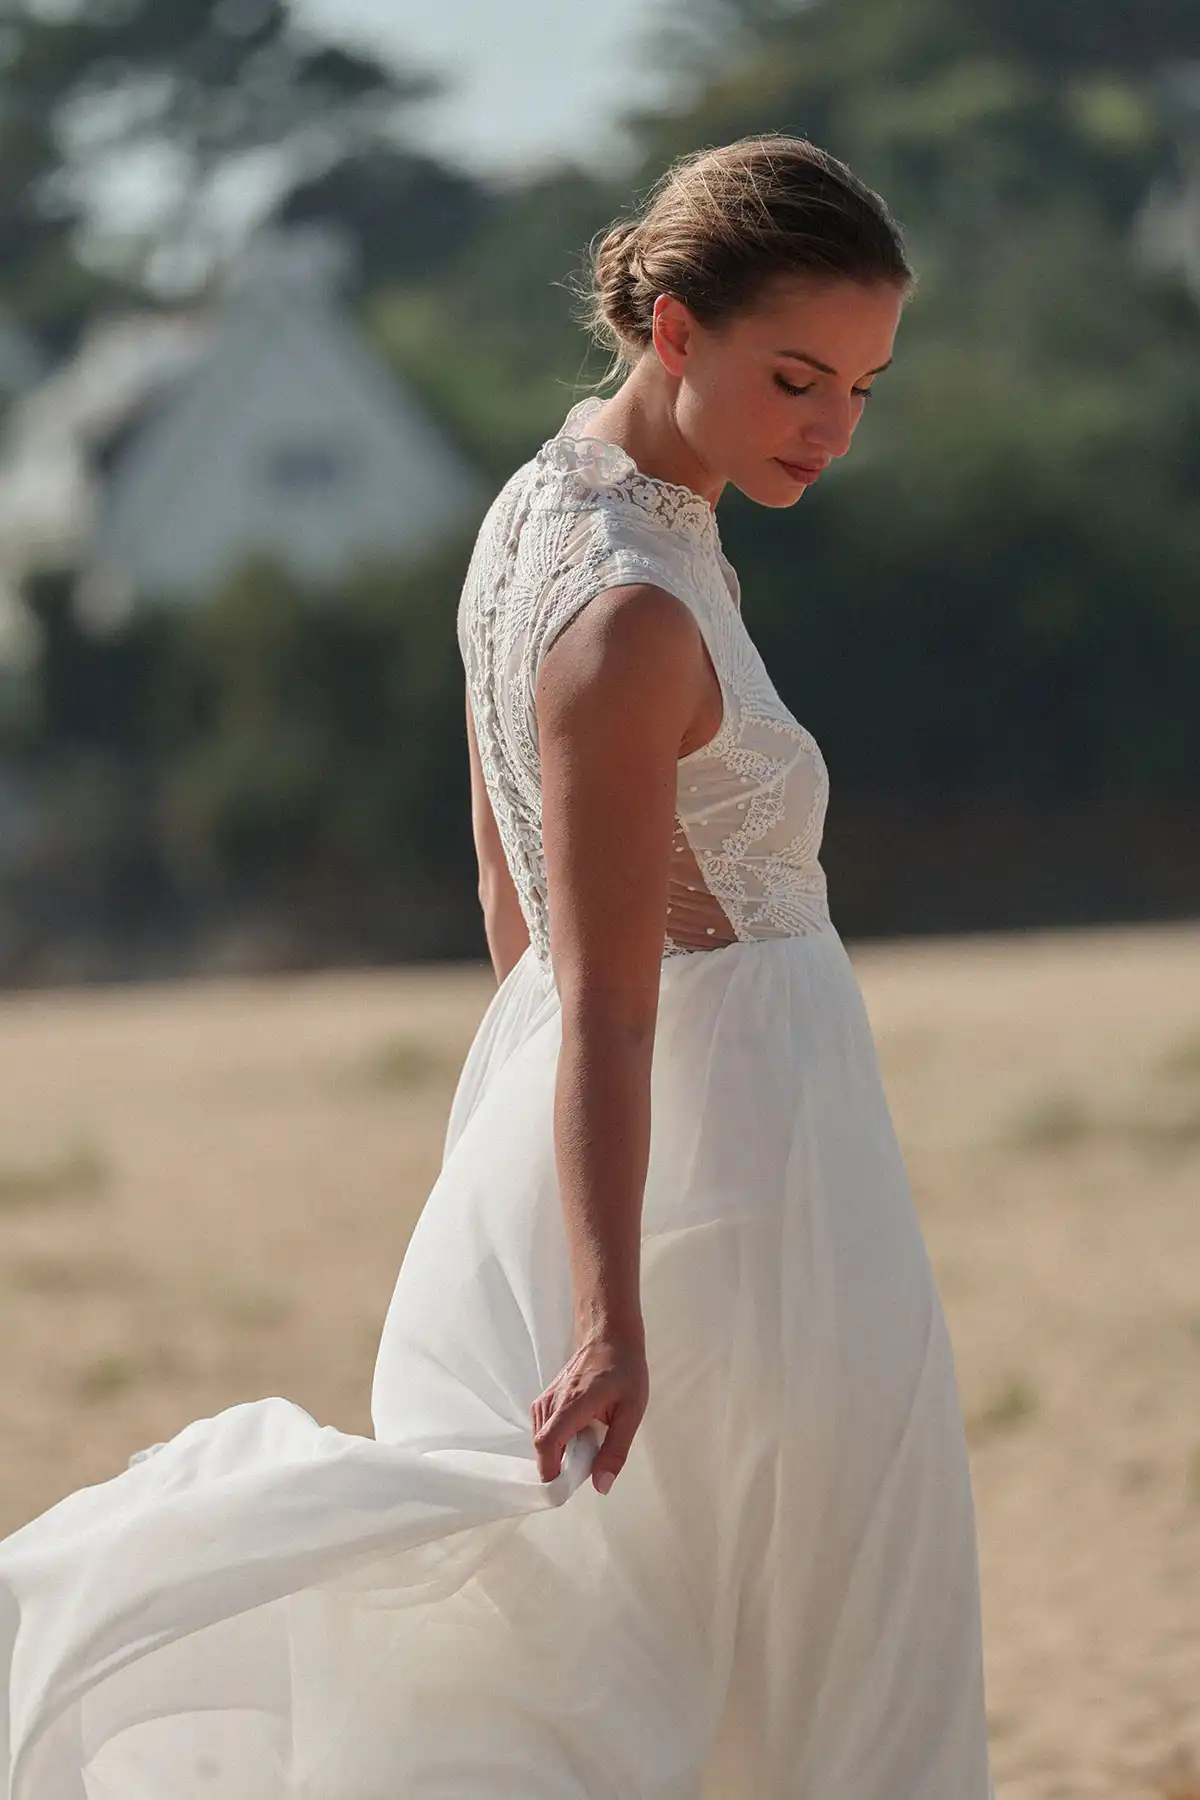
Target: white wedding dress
{"type": "Point", "coordinates": [779, 1598]}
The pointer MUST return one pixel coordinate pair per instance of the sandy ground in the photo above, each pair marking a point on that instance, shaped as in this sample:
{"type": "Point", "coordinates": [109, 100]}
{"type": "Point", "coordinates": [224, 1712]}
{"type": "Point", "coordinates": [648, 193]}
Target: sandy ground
{"type": "Point", "coordinates": [183, 1169]}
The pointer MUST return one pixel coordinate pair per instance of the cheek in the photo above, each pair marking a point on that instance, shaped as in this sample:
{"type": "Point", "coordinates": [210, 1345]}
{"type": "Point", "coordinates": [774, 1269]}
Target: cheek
{"type": "Point", "coordinates": [787, 420]}
{"type": "Point", "coordinates": [766, 417]}
{"type": "Point", "coordinates": [733, 423]}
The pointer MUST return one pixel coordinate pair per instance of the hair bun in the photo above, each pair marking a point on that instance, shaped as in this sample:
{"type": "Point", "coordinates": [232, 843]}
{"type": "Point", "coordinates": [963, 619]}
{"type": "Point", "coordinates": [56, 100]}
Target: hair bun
{"type": "Point", "coordinates": [617, 269]}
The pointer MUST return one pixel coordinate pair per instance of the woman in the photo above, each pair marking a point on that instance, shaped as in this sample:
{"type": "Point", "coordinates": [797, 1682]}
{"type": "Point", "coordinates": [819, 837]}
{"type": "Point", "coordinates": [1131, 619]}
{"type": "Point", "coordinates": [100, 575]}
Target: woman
{"type": "Point", "coordinates": [672, 1243]}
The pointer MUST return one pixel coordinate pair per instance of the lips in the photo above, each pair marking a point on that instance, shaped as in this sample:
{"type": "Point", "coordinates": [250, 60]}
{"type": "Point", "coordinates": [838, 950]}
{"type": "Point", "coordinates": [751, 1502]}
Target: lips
{"type": "Point", "coordinates": [806, 472]}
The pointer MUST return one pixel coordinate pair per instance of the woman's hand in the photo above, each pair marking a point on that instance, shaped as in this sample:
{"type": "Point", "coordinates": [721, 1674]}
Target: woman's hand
{"type": "Point", "coordinates": [606, 1379]}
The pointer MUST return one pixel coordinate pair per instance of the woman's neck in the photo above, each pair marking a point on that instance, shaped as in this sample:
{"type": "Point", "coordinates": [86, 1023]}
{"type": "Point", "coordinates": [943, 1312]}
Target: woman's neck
{"type": "Point", "coordinates": [640, 419]}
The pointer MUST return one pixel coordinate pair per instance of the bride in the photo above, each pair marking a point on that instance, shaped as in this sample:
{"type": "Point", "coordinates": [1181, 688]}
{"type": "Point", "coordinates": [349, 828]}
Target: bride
{"type": "Point", "coordinates": [668, 1497]}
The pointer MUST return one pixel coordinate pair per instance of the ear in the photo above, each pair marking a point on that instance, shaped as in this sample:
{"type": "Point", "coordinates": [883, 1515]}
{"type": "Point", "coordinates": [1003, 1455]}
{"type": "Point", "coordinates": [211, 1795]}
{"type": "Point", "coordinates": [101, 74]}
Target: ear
{"type": "Point", "coordinates": [671, 329]}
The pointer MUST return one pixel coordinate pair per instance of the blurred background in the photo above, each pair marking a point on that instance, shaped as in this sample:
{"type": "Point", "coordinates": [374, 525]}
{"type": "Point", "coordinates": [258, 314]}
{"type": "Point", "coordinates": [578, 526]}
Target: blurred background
{"type": "Point", "coordinates": [285, 296]}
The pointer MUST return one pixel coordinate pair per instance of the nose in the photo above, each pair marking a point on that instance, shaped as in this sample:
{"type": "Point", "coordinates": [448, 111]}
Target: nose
{"type": "Point", "coordinates": [831, 426]}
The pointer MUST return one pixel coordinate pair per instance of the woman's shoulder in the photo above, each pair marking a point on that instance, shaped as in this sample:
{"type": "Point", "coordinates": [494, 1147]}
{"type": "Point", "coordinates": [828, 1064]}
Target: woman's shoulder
{"type": "Point", "coordinates": [579, 516]}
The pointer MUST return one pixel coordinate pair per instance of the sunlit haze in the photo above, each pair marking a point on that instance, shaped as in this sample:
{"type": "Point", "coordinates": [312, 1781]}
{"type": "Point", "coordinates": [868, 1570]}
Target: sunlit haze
{"type": "Point", "coordinates": [533, 80]}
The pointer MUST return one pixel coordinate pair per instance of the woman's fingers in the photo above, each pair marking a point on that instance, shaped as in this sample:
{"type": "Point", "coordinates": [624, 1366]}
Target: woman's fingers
{"type": "Point", "coordinates": [562, 1421]}
{"type": "Point", "coordinates": [551, 1438]}
{"type": "Point", "coordinates": [605, 1380]}
{"type": "Point", "coordinates": [610, 1458]}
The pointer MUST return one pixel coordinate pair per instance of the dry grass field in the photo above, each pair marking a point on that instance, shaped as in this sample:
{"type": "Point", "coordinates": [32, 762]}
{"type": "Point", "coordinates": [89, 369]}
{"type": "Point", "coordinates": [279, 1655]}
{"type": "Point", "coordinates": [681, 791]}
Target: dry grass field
{"type": "Point", "coordinates": [205, 1191]}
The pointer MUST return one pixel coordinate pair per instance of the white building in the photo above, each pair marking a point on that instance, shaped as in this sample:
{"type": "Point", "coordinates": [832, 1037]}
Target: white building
{"type": "Point", "coordinates": [172, 448]}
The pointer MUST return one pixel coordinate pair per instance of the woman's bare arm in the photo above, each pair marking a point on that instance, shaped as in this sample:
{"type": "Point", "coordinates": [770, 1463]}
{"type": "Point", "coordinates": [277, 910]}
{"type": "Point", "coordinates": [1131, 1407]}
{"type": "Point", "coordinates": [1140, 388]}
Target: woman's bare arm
{"type": "Point", "coordinates": [503, 921]}
{"type": "Point", "coordinates": [615, 696]}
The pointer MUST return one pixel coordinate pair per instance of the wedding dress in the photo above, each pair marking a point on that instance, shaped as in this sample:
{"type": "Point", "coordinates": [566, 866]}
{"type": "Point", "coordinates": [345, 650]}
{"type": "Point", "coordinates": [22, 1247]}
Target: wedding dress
{"type": "Point", "coordinates": [778, 1600]}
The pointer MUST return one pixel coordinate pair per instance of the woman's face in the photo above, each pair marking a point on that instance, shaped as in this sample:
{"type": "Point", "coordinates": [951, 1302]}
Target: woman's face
{"type": "Point", "coordinates": [769, 398]}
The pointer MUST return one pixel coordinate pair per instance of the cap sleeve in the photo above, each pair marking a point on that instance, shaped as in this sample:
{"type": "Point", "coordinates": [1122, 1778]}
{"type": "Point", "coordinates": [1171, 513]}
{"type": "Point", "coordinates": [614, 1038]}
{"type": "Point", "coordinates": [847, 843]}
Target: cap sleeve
{"type": "Point", "coordinates": [607, 550]}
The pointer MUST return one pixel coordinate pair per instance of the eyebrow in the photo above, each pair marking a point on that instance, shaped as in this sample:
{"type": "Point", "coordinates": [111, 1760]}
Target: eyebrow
{"type": "Point", "coordinates": [813, 363]}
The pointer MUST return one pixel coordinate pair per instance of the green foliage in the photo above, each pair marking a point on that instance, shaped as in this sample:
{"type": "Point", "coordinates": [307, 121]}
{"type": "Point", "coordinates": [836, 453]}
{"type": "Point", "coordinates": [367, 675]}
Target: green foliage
{"type": "Point", "coordinates": [275, 739]}
{"type": "Point", "coordinates": [206, 83]}
{"type": "Point", "coordinates": [408, 215]}
{"type": "Point", "coordinates": [493, 343]}
{"type": "Point", "coordinates": [315, 728]}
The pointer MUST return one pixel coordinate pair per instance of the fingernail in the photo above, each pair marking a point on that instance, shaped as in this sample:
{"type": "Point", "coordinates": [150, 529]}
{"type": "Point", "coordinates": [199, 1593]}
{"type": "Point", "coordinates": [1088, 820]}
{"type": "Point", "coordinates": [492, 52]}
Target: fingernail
{"type": "Point", "coordinates": [604, 1480]}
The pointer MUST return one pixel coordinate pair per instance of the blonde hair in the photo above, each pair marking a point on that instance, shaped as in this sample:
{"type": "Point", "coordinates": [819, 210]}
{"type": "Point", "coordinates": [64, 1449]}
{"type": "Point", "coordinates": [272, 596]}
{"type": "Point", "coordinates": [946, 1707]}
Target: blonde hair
{"type": "Point", "coordinates": [720, 225]}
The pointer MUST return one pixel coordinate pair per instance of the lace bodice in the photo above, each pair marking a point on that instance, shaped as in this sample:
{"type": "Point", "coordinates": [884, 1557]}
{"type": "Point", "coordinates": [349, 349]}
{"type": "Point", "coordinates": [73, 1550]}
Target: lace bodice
{"type": "Point", "coordinates": [580, 517]}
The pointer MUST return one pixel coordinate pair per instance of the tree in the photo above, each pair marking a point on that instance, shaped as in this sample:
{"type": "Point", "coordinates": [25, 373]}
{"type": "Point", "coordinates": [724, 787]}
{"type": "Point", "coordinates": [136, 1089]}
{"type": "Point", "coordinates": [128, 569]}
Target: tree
{"type": "Point", "coordinates": [407, 214]}
{"type": "Point", "coordinates": [190, 92]}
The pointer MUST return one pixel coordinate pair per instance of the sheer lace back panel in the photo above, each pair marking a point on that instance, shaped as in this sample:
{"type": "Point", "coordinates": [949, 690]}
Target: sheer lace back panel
{"type": "Point", "coordinates": [580, 517]}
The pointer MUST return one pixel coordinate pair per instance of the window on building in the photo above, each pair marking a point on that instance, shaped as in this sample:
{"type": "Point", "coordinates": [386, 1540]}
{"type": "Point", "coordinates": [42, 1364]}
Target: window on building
{"type": "Point", "coordinates": [304, 468]}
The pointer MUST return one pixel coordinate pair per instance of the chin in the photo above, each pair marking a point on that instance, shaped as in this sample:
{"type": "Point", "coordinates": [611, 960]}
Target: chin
{"type": "Point", "coordinates": [772, 497]}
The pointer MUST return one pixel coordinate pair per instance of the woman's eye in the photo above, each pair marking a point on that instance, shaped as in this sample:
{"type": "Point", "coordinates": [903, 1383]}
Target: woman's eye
{"type": "Point", "coordinates": [860, 393]}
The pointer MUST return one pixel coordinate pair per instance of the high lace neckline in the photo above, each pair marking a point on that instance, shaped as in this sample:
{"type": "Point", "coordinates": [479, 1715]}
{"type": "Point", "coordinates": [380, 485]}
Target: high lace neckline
{"type": "Point", "coordinates": [598, 463]}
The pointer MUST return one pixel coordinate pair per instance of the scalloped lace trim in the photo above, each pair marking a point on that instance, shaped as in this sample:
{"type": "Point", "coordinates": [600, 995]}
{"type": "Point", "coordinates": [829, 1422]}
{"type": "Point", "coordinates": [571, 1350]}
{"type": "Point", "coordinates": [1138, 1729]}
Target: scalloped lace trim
{"type": "Point", "coordinates": [597, 463]}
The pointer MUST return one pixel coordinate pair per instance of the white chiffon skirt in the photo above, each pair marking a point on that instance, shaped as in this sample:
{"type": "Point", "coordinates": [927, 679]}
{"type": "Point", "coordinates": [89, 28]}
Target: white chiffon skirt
{"type": "Point", "coordinates": [778, 1600]}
